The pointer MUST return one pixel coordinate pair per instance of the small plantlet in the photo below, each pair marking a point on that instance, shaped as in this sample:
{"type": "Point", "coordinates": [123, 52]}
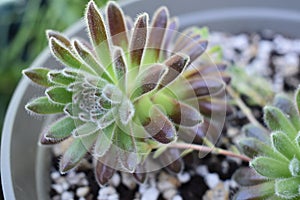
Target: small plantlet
{"type": "Point", "coordinates": [137, 88]}
{"type": "Point", "coordinates": [275, 168]}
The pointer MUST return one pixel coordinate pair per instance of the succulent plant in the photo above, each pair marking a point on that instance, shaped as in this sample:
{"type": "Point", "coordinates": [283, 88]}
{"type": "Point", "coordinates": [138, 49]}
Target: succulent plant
{"type": "Point", "coordinates": [136, 88]}
{"type": "Point", "coordinates": [275, 168]}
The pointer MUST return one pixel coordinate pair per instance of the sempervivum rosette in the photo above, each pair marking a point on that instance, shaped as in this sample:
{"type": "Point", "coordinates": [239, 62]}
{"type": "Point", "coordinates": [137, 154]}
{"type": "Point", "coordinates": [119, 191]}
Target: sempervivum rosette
{"type": "Point", "coordinates": [135, 89]}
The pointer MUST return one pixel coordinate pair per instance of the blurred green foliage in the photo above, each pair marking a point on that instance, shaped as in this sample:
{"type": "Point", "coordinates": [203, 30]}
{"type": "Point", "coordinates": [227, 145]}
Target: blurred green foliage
{"type": "Point", "coordinates": [22, 32]}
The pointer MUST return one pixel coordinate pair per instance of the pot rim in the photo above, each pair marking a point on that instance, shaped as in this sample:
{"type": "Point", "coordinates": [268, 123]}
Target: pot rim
{"type": "Point", "coordinates": [207, 16]}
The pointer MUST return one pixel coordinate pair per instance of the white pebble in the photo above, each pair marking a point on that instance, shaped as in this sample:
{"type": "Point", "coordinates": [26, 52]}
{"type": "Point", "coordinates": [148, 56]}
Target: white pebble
{"type": "Point", "coordinates": [82, 191]}
{"type": "Point", "coordinates": [169, 194]}
{"type": "Point", "coordinates": [58, 188]}
{"type": "Point", "coordinates": [184, 177]}
{"type": "Point", "coordinates": [212, 180]}
{"type": "Point", "coordinates": [115, 180]}
{"type": "Point", "coordinates": [113, 197]}
{"type": "Point", "coordinates": [67, 196]}
{"type": "Point", "coordinates": [65, 185]}
{"type": "Point", "coordinates": [165, 185]}
{"type": "Point", "coordinates": [55, 175]}
{"type": "Point", "coordinates": [82, 198]}
{"type": "Point", "coordinates": [202, 170]}
{"type": "Point", "coordinates": [107, 193]}
{"type": "Point", "coordinates": [128, 180]}
{"type": "Point", "coordinates": [177, 197]}
{"type": "Point", "coordinates": [150, 194]}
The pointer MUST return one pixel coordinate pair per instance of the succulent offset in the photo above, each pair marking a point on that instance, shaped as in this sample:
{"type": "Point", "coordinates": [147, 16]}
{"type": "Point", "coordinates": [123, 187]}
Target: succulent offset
{"type": "Point", "coordinates": [275, 168]}
{"type": "Point", "coordinates": [136, 88]}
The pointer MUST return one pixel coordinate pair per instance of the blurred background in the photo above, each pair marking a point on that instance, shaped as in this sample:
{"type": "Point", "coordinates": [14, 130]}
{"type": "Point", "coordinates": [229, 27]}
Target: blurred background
{"type": "Point", "coordinates": [22, 36]}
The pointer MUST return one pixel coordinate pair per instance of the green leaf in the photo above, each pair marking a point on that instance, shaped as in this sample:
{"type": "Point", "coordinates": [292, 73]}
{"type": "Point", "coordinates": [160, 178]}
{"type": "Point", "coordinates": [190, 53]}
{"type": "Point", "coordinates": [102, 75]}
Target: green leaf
{"type": "Point", "coordinates": [257, 192]}
{"type": "Point", "coordinates": [58, 77]}
{"type": "Point", "coordinates": [66, 56]}
{"type": "Point", "coordinates": [256, 88]}
{"type": "Point", "coordinates": [297, 99]}
{"type": "Point", "coordinates": [75, 153]}
{"type": "Point", "coordinates": [61, 129]}
{"type": "Point", "coordinates": [90, 60]}
{"type": "Point", "coordinates": [278, 121]}
{"type": "Point", "coordinates": [59, 95]}
{"type": "Point", "coordinates": [270, 167]}
{"type": "Point", "coordinates": [287, 106]}
{"type": "Point", "coordinates": [104, 140]}
{"type": "Point", "coordinates": [253, 147]}
{"type": "Point", "coordinates": [127, 149]}
{"type": "Point", "coordinates": [126, 111]}
{"type": "Point", "coordinates": [295, 167]}
{"type": "Point", "coordinates": [284, 145]}
{"type": "Point", "coordinates": [246, 176]}
{"type": "Point", "coordinates": [42, 105]}
{"type": "Point", "coordinates": [38, 76]}
{"type": "Point", "coordinates": [85, 129]}
{"type": "Point", "coordinates": [288, 188]}
{"type": "Point", "coordinates": [251, 130]}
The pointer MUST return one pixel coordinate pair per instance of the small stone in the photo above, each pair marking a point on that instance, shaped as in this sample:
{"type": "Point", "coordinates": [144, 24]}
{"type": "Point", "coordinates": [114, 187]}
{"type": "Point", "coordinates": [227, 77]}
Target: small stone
{"type": "Point", "coordinates": [150, 194]}
{"type": "Point", "coordinates": [115, 180]}
{"type": "Point", "coordinates": [165, 185]}
{"type": "Point", "coordinates": [184, 177]}
{"type": "Point", "coordinates": [55, 175]}
{"type": "Point", "coordinates": [231, 132]}
{"type": "Point", "coordinates": [113, 197]}
{"type": "Point", "coordinates": [82, 198]}
{"type": "Point", "coordinates": [82, 191]}
{"type": "Point", "coordinates": [58, 188]}
{"type": "Point", "coordinates": [217, 193]}
{"type": "Point", "coordinates": [57, 197]}
{"type": "Point", "coordinates": [65, 185]}
{"type": "Point", "coordinates": [212, 180]}
{"type": "Point", "coordinates": [169, 194]}
{"type": "Point", "coordinates": [83, 182]}
{"type": "Point", "coordinates": [202, 170]}
{"type": "Point", "coordinates": [127, 180]}
{"type": "Point", "coordinates": [67, 196]}
{"type": "Point", "coordinates": [107, 192]}
{"type": "Point", "coordinates": [177, 197]}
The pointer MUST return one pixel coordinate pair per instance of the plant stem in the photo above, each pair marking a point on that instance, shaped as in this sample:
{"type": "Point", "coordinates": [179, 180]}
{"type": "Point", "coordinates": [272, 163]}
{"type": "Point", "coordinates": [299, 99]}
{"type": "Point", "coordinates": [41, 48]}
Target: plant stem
{"type": "Point", "coordinates": [205, 149]}
{"type": "Point", "coordinates": [244, 108]}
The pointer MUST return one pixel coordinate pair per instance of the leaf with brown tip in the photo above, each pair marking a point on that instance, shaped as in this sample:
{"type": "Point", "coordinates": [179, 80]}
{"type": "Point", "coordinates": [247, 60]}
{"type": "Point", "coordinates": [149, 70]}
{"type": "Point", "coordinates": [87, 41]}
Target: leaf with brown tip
{"type": "Point", "coordinates": [138, 40]}
{"type": "Point", "coordinates": [38, 76]}
{"type": "Point", "coordinates": [59, 37]}
{"type": "Point", "coordinates": [75, 152]}
{"type": "Point", "coordinates": [103, 173]}
{"type": "Point", "coordinates": [98, 35]}
{"type": "Point", "coordinates": [159, 126]}
{"type": "Point", "coordinates": [156, 35]}
{"type": "Point", "coordinates": [171, 159]}
{"type": "Point", "coordinates": [169, 35]}
{"type": "Point", "coordinates": [117, 27]}
{"type": "Point", "coordinates": [176, 65]}
{"type": "Point", "coordinates": [195, 49]}
{"type": "Point", "coordinates": [149, 79]}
